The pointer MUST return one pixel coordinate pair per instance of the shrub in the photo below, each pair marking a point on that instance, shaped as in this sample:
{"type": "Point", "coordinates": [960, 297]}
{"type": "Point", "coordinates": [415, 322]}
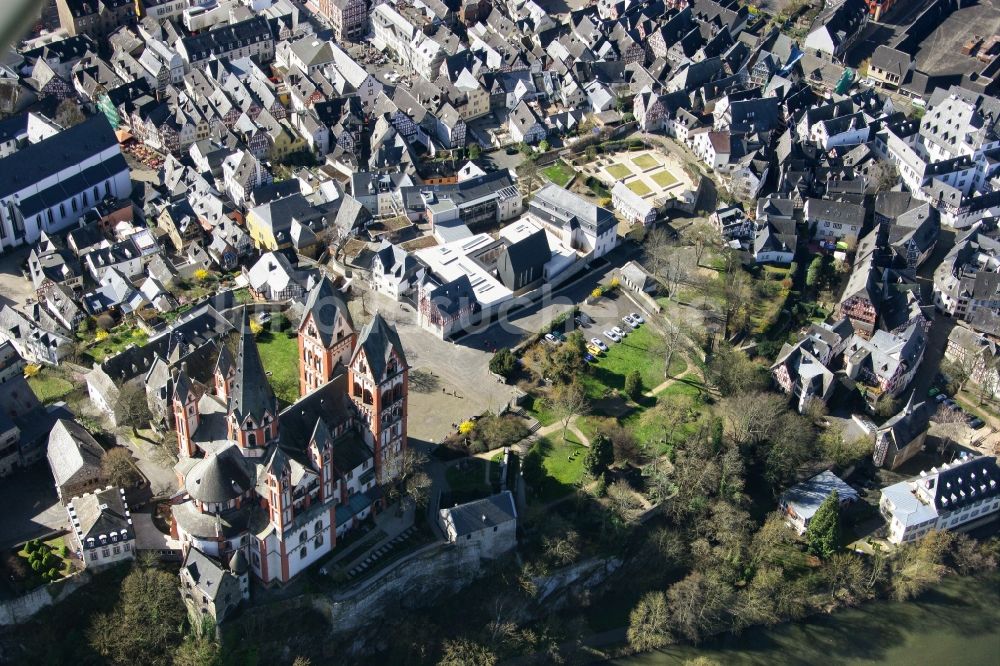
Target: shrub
{"type": "Point", "coordinates": [53, 573]}
{"type": "Point", "coordinates": [597, 293]}
{"type": "Point", "coordinates": [614, 283]}
{"type": "Point", "coordinates": [465, 427]}
{"type": "Point", "coordinates": [32, 369]}
{"type": "Point", "coordinates": [105, 322]}
{"type": "Point", "coordinates": [201, 274]}
{"type": "Point", "coordinates": [36, 566]}
{"type": "Point", "coordinates": [64, 551]}
{"type": "Point", "coordinates": [51, 561]}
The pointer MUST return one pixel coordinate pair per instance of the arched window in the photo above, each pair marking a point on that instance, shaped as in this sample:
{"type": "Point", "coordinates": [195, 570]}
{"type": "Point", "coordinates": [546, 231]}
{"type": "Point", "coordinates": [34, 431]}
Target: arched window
{"type": "Point", "coordinates": [319, 526]}
{"type": "Point", "coordinates": [367, 399]}
{"type": "Point", "coordinates": [397, 393]}
{"type": "Point", "coordinates": [251, 439]}
{"type": "Point", "coordinates": [386, 397]}
{"type": "Point", "coordinates": [357, 390]}
{"type": "Point", "coordinates": [302, 537]}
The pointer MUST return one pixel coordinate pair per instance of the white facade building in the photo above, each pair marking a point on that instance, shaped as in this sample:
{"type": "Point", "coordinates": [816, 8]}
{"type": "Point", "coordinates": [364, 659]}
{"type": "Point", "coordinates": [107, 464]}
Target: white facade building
{"type": "Point", "coordinates": [943, 498]}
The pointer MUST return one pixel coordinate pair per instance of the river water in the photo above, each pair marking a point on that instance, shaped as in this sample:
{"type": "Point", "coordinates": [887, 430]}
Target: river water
{"type": "Point", "coordinates": [956, 623]}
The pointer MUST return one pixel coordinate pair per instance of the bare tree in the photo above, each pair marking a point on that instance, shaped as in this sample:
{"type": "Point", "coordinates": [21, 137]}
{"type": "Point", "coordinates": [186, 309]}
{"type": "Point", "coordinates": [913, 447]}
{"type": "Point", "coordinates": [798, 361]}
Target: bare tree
{"type": "Point", "coordinates": [702, 235]}
{"type": "Point", "coordinates": [132, 408]}
{"type": "Point", "coordinates": [668, 415]}
{"type": "Point", "coordinates": [569, 400]}
{"type": "Point", "coordinates": [951, 425]}
{"type": "Point", "coordinates": [402, 475]}
{"type": "Point", "coordinates": [118, 469]}
{"type": "Point", "coordinates": [622, 499]}
{"type": "Point", "coordinates": [674, 341]}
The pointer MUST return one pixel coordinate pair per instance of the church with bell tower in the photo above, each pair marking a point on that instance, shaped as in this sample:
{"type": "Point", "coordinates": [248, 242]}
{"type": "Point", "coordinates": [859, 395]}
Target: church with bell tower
{"type": "Point", "coordinates": [280, 484]}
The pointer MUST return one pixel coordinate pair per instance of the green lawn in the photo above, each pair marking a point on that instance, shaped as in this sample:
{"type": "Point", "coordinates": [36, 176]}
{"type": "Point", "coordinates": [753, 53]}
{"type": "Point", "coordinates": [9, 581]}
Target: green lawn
{"type": "Point", "coordinates": [280, 355]}
{"type": "Point", "coordinates": [618, 171]}
{"type": "Point", "coordinates": [663, 178]}
{"type": "Point", "coordinates": [559, 173]}
{"type": "Point", "coordinates": [49, 386]}
{"type": "Point", "coordinates": [639, 187]}
{"type": "Point", "coordinates": [637, 351]}
{"type": "Point", "coordinates": [541, 411]}
{"type": "Point", "coordinates": [645, 161]}
{"type": "Point", "coordinates": [553, 467]}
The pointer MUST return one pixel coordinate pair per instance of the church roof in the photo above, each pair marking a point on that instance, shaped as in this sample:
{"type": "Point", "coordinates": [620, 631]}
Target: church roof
{"type": "Point", "coordinates": [252, 394]}
{"type": "Point", "coordinates": [324, 303]}
{"type": "Point", "coordinates": [220, 477]}
{"type": "Point", "coordinates": [377, 340]}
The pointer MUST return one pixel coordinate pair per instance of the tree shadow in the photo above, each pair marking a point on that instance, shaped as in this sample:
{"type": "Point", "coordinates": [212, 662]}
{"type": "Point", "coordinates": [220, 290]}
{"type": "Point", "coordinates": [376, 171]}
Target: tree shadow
{"type": "Point", "coordinates": [424, 381]}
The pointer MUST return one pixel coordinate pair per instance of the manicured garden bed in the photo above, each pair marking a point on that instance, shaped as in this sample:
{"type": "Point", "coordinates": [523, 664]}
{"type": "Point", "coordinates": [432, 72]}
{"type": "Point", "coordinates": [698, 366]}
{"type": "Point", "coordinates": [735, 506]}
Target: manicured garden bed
{"type": "Point", "coordinates": [639, 187]}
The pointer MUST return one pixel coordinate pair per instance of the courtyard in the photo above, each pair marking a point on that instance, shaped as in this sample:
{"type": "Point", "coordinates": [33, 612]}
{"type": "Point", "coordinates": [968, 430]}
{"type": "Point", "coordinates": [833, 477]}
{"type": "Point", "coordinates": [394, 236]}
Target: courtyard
{"type": "Point", "coordinates": [651, 174]}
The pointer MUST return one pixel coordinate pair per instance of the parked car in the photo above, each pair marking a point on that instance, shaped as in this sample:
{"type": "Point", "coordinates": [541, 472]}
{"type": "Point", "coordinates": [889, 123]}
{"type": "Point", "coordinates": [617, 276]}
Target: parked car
{"type": "Point", "coordinates": [619, 331]}
{"type": "Point", "coordinates": [637, 318]}
{"type": "Point", "coordinates": [585, 318]}
{"type": "Point", "coordinates": [933, 391]}
{"type": "Point", "coordinates": [559, 336]}
{"type": "Point", "coordinates": [613, 336]}
{"type": "Point", "coordinates": [579, 322]}
{"type": "Point", "coordinates": [551, 339]}
{"type": "Point", "coordinates": [976, 423]}
{"type": "Point", "coordinates": [941, 397]}
{"type": "Point", "coordinates": [597, 342]}
{"type": "Point", "coordinates": [589, 358]}
{"type": "Point", "coordinates": [263, 317]}
{"type": "Point", "coordinates": [594, 350]}
{"type": "Point", "coordinates": [631, 323]}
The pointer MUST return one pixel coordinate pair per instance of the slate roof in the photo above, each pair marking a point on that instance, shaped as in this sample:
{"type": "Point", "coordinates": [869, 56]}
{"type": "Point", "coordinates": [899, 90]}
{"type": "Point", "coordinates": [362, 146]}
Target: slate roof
{"type": "Point", "coordinates": [482, 514]}
{"type": "Point", "coordinates": [207, 574]}
{"type": "Point", "coordinates": [325, 303]}
{"type": "Point", "coordinates": [532, 251]}
{"type": "Point", "coordinates": [72, 452]}
{"type": "Point", "coordinates": [252, 395]}
{"type": "Point", "coordinates": [102, 514]}
{"type": "Point", "coordinates": [891, 61]}
{"type": "Point", "coordinates": [219, 477]}
{"type": "Point", "coordinates": [806, 497]}
{"type": "Point", "coordinates": [378, 340]}
{"type": "Point", "coordinates": [38, 161]}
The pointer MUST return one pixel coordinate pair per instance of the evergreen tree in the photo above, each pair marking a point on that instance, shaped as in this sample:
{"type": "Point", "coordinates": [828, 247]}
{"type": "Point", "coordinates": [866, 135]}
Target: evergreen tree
{"type": "Point", "coordinates": [814, 271]}
{"type": "Point", "coordinates": [503, 362]}
{"type": "Point", "coordinates": [600, 456]}
{"type": "Point", "coordinates": [633, 384]}
{"type": "Point", "coordinates": [823, 533]}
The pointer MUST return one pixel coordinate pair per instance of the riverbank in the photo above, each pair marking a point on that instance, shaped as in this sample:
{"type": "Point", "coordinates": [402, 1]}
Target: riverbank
{"type": "Point", "coordinates": [954, 622]}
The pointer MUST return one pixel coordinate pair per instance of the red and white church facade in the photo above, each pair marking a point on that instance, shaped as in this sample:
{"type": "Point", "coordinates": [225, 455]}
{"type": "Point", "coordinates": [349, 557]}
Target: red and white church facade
{"type": "Point", "coordinates": [283, 485]}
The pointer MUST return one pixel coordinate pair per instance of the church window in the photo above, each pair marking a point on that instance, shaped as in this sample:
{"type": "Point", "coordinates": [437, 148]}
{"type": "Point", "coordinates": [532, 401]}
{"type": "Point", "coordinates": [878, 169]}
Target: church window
{"type": "Point", "coordinates": [319, 526]}
{"type": "Point", "coordinates": [302, 537]}
{"type": "Point", "coordinates": [302, 553]}
{"type": "Point", "coordinates": [251, 440]}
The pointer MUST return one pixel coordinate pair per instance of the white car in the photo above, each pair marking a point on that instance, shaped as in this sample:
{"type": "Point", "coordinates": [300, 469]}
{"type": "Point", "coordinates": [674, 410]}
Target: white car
{"type": "Point", "coordinates": [611, 335]}
{"type": "Point", "coordinates": [599, 344]}
{"type": "Point", "coordinates": [637, 318]}
{"type": "Point", "coordinates": [618, 331]}
{"type": "Point", "coordinates": [631, 323]}
{"type": "Point", "coordinates": [551, 339]}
